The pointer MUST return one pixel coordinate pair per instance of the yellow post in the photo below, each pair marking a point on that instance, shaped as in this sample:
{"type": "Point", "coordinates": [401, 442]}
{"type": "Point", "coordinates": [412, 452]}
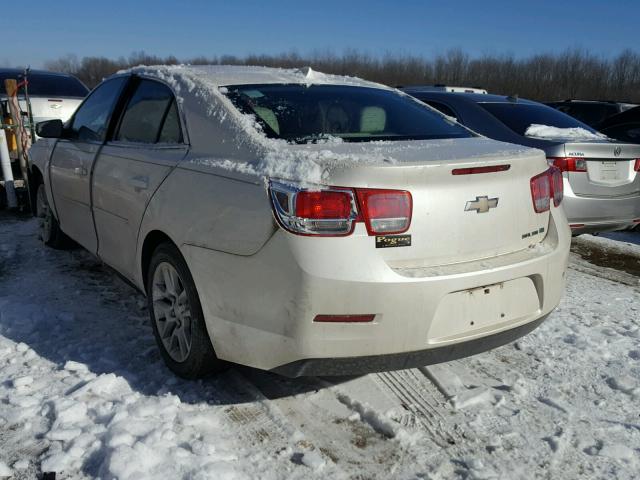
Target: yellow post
{"type": "Point", "coordinates": [23, 142]}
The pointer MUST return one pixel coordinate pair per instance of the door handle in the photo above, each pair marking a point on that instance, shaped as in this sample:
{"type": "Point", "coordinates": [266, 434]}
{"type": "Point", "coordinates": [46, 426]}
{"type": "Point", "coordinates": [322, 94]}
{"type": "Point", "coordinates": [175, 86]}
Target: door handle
{"type": "Point", "coordinates": [139, 183]}
{"type": "Point", "coordinates": [80, 171]}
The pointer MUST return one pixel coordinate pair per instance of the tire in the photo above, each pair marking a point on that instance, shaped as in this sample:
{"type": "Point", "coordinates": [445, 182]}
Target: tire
{"type": "Point", "coordinates": [50, 231]}
{"type": "Point", "coordinates": [176, 316]}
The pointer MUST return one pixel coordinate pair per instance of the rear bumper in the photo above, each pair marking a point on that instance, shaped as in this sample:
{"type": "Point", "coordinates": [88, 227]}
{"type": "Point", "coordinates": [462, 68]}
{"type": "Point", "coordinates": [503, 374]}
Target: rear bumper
{"type": "Point", "coordinates": [260, 309]}
{"type": "Point", "coordinates": [599, 214]}
{"type": "Point", "coordinates": [399, 361]}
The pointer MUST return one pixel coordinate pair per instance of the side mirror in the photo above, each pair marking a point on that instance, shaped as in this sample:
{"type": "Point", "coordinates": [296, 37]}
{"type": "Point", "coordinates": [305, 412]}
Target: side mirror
{"type": "Point", "coordinates": [50, 129]}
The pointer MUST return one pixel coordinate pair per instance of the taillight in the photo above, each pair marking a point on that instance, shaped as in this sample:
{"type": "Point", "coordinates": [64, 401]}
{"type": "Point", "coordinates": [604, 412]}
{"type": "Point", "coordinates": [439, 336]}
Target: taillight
{"type": "Point", "coordinates": [326, 212]}
{"type": "Point", "coordinates": [385, 211]}
{"type": "Point", "coordinates": [557, 187]}
{"type": "Point", "coordinates": [568, 164]}
{"type": "Point", "coordinates": [541, 192]}
{"type": "Point", "coordinates": [323, 205]}
{"type": "Point", "coordinates": [636, 167]}
{"type": "Point", "coordinates": [333, 211]}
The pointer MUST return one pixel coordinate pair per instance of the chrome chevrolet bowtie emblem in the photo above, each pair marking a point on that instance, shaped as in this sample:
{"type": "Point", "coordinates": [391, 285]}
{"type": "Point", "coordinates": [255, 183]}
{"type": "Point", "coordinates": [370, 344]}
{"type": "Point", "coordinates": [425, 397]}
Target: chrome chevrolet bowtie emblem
{"type": "Point", "coordinates": [481, 204]}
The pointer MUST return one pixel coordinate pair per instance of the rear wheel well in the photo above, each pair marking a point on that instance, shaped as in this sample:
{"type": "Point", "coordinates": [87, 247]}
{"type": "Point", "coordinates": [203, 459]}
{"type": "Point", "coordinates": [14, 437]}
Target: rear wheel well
{"type": "Point", "coordinates": [151, 242]}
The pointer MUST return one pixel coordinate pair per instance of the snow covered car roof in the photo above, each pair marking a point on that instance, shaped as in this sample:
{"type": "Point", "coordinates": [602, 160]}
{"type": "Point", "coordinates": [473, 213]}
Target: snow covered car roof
{"type": "Point", "coordinates": [221, 75]}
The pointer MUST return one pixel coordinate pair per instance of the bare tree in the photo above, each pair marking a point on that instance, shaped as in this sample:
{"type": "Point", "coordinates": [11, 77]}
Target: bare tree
{"type": "Point", "coordinates": [574, 73]}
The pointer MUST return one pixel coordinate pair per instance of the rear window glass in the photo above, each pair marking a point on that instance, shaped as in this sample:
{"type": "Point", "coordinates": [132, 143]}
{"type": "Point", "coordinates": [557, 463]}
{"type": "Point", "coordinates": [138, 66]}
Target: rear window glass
{"type": "Point", "coordinates": [43, 85]}
{"type": "Point", "coordinates": [305, 114]}
{"type": "Point", "coordinates": [589, 113]}
{"type": "Point", "coordinates": [520, 116]}
{"type": "Point", "coordinates": [629, 132]}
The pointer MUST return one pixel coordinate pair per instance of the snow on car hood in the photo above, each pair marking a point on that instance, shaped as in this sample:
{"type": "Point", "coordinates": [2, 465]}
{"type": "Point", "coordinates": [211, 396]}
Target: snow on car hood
{"type": "Point", "coordinates": [307, 163]}
{"type": "Point", "coordinates": [549, 132]}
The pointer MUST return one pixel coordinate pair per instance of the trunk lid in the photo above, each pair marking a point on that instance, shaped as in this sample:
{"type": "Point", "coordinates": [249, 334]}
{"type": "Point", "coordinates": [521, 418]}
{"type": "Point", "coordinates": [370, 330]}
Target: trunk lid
{"type": "Point", "coordinates": [455, 217]}
{"type": "Point", "coordinates": [45, 108]}
{"type": "Point", "coordinates": [610, 169]}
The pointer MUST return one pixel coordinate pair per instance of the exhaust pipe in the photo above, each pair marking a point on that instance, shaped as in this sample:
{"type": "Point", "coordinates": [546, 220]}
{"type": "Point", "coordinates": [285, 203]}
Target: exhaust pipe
{"type": "Point", "coordinates": [7, 174]}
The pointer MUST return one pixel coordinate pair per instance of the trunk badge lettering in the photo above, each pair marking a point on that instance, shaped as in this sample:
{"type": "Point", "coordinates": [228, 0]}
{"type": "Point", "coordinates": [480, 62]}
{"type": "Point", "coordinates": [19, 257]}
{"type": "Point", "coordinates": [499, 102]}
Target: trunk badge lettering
{"type": "Point", "coordinates": [55, 105]}
{"type": "Point", "coordinates": [481, 204]}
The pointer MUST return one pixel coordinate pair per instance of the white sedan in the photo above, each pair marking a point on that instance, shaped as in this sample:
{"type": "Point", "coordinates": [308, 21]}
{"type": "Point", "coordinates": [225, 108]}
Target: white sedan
{"type": "Point", "coordinates": [303, 223]}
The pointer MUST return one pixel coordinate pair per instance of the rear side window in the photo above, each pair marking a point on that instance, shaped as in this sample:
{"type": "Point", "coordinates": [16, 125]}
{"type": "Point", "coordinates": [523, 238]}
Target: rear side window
{"type": "Point", "coordinates": [47, 85]}
{"type": "Point", "coordinates": [441, 107]}
{"type": "Point", "coordinates": [151, 116]}
{"type": "Point", "coordinates": [91, 120]}
{"type": "Point", "coordinates": [520, 116]}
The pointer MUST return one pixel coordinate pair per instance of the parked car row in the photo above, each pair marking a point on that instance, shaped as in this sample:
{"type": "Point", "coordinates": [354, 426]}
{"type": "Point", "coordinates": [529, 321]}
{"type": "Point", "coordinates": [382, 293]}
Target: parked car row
{"type": "Point", "coordinates": [591, 112]}
{"type": "Point", "coordinates": [601, 176]}
{"type": "Point", "coordinates": [313, 224]}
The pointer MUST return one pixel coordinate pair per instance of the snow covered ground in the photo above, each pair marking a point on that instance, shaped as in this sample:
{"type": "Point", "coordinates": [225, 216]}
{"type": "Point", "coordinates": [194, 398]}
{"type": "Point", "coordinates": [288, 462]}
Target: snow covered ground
{"type": "Point", "coordinates": [83, 391]}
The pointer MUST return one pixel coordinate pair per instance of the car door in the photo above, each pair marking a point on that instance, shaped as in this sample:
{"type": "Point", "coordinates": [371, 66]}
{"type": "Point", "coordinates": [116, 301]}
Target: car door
{"type": "Point", "coordinates": [73, 158]}
{"type": "Point", "coordinates": [146, 145]}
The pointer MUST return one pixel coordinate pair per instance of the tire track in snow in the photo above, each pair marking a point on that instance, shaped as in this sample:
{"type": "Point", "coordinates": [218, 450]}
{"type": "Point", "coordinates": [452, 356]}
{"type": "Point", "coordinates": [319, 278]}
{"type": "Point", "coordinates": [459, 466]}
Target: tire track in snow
{"type": "Point", "coordinates": [424, 403]}
{"type": "Point", "coordinates": [332, 417]}
{"type": "Point", "coordinates": [273, 428]}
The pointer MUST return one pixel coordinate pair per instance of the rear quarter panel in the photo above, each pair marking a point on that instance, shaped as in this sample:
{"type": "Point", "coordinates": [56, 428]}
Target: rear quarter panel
{"type": "Point", "coordinates": [209, 208]}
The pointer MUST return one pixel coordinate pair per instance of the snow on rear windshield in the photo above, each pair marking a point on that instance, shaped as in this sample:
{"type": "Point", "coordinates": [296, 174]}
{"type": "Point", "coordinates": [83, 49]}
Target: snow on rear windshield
{"type": "Point", "coordinates": [577, 133]}
{"type": "Point", "coordinates": [520, 116]}
{"type": "Point", "coordinates": [304, 114]}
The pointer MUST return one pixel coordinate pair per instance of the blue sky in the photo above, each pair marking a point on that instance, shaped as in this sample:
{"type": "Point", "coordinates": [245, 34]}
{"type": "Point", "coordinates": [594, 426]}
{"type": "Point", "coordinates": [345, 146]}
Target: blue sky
{"type": "Point", "coordinates": [48, 30]}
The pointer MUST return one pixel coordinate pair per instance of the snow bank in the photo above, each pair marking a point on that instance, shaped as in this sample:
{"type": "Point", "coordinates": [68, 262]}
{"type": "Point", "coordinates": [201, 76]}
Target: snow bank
{"type": "Point", "coordinates": [5, 471]}
{"type": "Point", "coordinates": [577, 133]}
{"type": "Point", "coordinates": [84, 393]}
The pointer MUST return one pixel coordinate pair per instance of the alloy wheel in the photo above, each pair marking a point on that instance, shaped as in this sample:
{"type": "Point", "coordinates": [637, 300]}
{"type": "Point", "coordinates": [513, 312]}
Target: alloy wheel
{"type": "Point", "coordinates": [172, 311]}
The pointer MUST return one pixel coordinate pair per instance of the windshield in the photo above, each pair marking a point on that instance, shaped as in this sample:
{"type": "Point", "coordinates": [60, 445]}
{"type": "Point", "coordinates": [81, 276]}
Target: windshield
{"type": "Point", "coordinates": [520, 116]}
{"type": "Point", "coordinates": [43, 85]}
{"type": "Point", "coordinates": [305, 114]}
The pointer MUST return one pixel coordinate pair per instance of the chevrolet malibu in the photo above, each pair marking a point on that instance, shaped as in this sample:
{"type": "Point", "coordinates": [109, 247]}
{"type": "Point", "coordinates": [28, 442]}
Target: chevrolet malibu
{"type": "Point", "coordinates": [303, 223]}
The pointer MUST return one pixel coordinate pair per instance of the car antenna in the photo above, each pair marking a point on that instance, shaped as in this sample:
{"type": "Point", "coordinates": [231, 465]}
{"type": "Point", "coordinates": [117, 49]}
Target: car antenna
{"type": "Point", "coordinates": [513, 98]}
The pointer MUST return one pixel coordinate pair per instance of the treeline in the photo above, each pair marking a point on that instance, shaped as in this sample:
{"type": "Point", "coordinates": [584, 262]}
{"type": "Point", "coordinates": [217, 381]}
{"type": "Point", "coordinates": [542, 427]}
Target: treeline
{"type": "Point", "coordinates": [574, 73]}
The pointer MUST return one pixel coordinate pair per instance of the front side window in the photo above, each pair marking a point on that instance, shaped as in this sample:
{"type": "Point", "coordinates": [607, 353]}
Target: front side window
{"type": "Point", "coordinates": [520, 116]}
{"type": "Point", "coordinates": [303, 114]}
{"type": "Point", "coordinates": [91, 121]}
{"type": "Point", "coordinates": [151, 116]}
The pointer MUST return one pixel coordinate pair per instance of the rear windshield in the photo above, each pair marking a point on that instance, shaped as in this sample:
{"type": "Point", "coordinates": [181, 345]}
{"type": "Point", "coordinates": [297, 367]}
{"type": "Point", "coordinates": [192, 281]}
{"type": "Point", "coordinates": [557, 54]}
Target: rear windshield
{"type": "Point", "coordinates": [520, 116]}
{"type": "Point", "coordinates": [306, 114]}
{"type": "Point", "coordinates": [589, 113]}
{"type": "Point", "coordinates": [43, 85]}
